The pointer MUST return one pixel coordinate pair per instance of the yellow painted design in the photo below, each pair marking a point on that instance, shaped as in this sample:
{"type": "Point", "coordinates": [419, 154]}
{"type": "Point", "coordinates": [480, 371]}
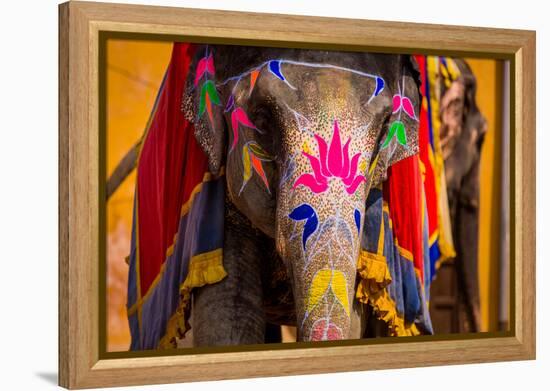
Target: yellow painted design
{"type": "Point", "coordinates": [373, 165]}
{"type": "Point", "coordinates": [306, 148]}
{"type": "Point", "coordinates": [318, 287]}
{"type": "Point", "coordinates": [322, 281]}
{"type": "Point", "coordinates": [340, 289]}
{"type": "Point", "coordinates": [362, 166]}
{"type": "Point", "coordinates": [247, 171]}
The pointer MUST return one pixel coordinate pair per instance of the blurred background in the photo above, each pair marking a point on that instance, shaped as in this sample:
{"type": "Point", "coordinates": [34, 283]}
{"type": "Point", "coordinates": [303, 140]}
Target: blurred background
{"type": "Point", "coordinates": [134, 74]}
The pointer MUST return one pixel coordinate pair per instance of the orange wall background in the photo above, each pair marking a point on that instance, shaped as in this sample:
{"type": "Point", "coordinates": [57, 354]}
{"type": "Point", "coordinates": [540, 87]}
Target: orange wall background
{"type": "Point", "coordinates": [489, 74]}
{"type": "Point", "coordinates": [134, 74]}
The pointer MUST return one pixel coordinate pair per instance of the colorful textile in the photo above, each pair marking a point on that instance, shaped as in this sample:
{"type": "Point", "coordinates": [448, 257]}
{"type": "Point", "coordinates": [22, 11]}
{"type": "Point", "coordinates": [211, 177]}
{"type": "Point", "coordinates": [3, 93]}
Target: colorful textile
{"type": "Point", "coordinates": [405, 196]}
{"type": "Point", "coordinates": [397, 276]}
{"type": "Point", "coordinates": [432, 70]}
{"type": "Point", "coordinates": [389, 281]}
{"type": "Point", "coordinates": [177, 232]}
{"type": "Point", "coordinates": [403, 192]}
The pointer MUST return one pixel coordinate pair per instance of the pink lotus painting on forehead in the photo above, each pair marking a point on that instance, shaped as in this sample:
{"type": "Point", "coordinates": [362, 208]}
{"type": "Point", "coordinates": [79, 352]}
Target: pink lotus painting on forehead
{"type": "Point", "coordinates": [333, 161]}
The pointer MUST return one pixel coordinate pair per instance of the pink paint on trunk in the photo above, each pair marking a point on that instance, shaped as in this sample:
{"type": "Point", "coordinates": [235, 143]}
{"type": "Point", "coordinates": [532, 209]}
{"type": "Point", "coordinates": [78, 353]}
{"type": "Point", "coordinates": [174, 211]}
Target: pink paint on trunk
{"type": "Point", "coordinates": [325, 330]}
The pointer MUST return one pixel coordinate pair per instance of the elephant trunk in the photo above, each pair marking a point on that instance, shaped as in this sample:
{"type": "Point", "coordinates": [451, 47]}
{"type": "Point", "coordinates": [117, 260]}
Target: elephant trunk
{"type": "Point", "coordinates": [320, 211]}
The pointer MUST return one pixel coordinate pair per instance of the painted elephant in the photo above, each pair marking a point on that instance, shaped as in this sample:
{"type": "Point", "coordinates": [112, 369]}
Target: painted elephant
{"type": "Point", "coordinates": [302, 137]}
{"type": "Point", "coordinates": [463, 128]}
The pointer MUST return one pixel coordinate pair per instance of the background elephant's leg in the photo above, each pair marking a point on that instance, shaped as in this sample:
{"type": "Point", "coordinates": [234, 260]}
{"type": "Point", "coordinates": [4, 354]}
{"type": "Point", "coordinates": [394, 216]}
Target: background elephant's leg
{"type": "Point", "coordinates": [231, 311]}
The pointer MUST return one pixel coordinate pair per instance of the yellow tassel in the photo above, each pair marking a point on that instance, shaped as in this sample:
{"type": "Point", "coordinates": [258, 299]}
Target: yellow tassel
{"type": "Point", "coordinates": [372, 289]}
{"type": "Point", "coordinates": [373, 267]}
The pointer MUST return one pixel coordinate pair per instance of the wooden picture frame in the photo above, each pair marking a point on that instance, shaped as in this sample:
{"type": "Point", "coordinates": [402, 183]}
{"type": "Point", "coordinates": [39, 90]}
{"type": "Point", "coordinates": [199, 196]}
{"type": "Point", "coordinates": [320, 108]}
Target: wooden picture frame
{"type": "Point", "coordinates": [81, 362]}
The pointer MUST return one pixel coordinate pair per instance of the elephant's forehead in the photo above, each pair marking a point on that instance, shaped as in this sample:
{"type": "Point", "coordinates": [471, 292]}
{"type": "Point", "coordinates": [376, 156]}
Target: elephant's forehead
{"type": "Point", "coordinates": [325, 91]}
{"type": "Point", "coordinates": [309, 112]}
{"type": "Point", "coordinates": [307, 124]}
{"type": "Point", "coordinates": [359, 132]}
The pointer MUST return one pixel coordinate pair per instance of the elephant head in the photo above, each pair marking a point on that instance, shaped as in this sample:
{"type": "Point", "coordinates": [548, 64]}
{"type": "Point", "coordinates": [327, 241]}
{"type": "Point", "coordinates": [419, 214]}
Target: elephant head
{"type": "Point", "coordinates": [303, 135]}
{"type": "Point", "coordinates": [463, 129]}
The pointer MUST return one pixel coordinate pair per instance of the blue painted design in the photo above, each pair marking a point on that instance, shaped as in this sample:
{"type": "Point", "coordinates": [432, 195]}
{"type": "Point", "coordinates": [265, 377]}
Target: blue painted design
{"type": "Point", "coordinates": [379, 86]}
{"type": "Point", "coordinates": [302, 212]}
{"type": "Point", "coordinates": [275, 68]}
{"type": "Point", "coordinates": [230, 103]}
{"type": "Point", "coordinates": [357, 216]}
{"type": "Point", "coordinates": [309, 228]}
{"type": "Point", "coordinates": [305, 212]}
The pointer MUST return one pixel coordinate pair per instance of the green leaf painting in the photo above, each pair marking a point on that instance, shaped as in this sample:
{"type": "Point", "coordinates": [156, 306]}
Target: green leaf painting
{"type": "Point", "coordinates": [208, 88]}
{"type": "Point", "coordinates": [397, 129]}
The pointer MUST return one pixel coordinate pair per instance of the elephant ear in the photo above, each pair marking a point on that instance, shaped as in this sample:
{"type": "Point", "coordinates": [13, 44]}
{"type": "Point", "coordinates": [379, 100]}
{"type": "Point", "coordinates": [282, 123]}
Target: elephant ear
{"type": "Point", "coordinates": [400, 134]}
{"type": "Point", "coordinates": [202, 105]}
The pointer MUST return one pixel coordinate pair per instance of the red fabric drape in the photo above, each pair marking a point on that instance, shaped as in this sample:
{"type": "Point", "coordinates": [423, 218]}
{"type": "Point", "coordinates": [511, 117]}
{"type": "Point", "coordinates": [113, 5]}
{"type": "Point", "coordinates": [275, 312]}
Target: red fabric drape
{"type": "Point", "coordinates": [403, 192]}
{"type": "Point", "coordinates": [425, 147]}
{"type": "Point", "coordinates": [170, 165]}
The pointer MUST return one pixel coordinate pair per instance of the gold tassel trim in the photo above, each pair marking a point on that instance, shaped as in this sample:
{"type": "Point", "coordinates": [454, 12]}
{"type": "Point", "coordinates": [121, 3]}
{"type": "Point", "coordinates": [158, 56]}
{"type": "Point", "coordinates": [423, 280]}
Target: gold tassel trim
{"type": "Point", "coordinates": [204, 269]}
{"type": "Point", "coordinates": [375, 277]}
{"type": "Point", "coordinates": [373, 270]}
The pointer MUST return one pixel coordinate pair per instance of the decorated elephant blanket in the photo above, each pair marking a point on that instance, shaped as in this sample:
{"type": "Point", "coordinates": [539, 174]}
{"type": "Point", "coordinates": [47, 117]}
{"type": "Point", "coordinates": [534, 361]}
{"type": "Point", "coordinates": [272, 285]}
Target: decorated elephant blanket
{"type": "Point", "coordinates": [433, 70]}
{"type": "Point", "coordinates": [177, 233]}
{"type": "Point", "coordinates": [394, 261]}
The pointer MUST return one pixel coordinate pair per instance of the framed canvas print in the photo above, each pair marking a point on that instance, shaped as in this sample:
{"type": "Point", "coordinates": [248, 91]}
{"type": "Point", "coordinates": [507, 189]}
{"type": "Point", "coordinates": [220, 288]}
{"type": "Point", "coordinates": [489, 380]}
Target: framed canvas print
{"type": "Point", "coordinates": [247, 195]}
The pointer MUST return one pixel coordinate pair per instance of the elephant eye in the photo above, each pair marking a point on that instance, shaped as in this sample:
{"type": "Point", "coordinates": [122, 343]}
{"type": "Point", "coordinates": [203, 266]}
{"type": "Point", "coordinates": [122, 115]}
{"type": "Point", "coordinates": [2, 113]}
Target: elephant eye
{"type": "Point", "coordinates": [265, 117]}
